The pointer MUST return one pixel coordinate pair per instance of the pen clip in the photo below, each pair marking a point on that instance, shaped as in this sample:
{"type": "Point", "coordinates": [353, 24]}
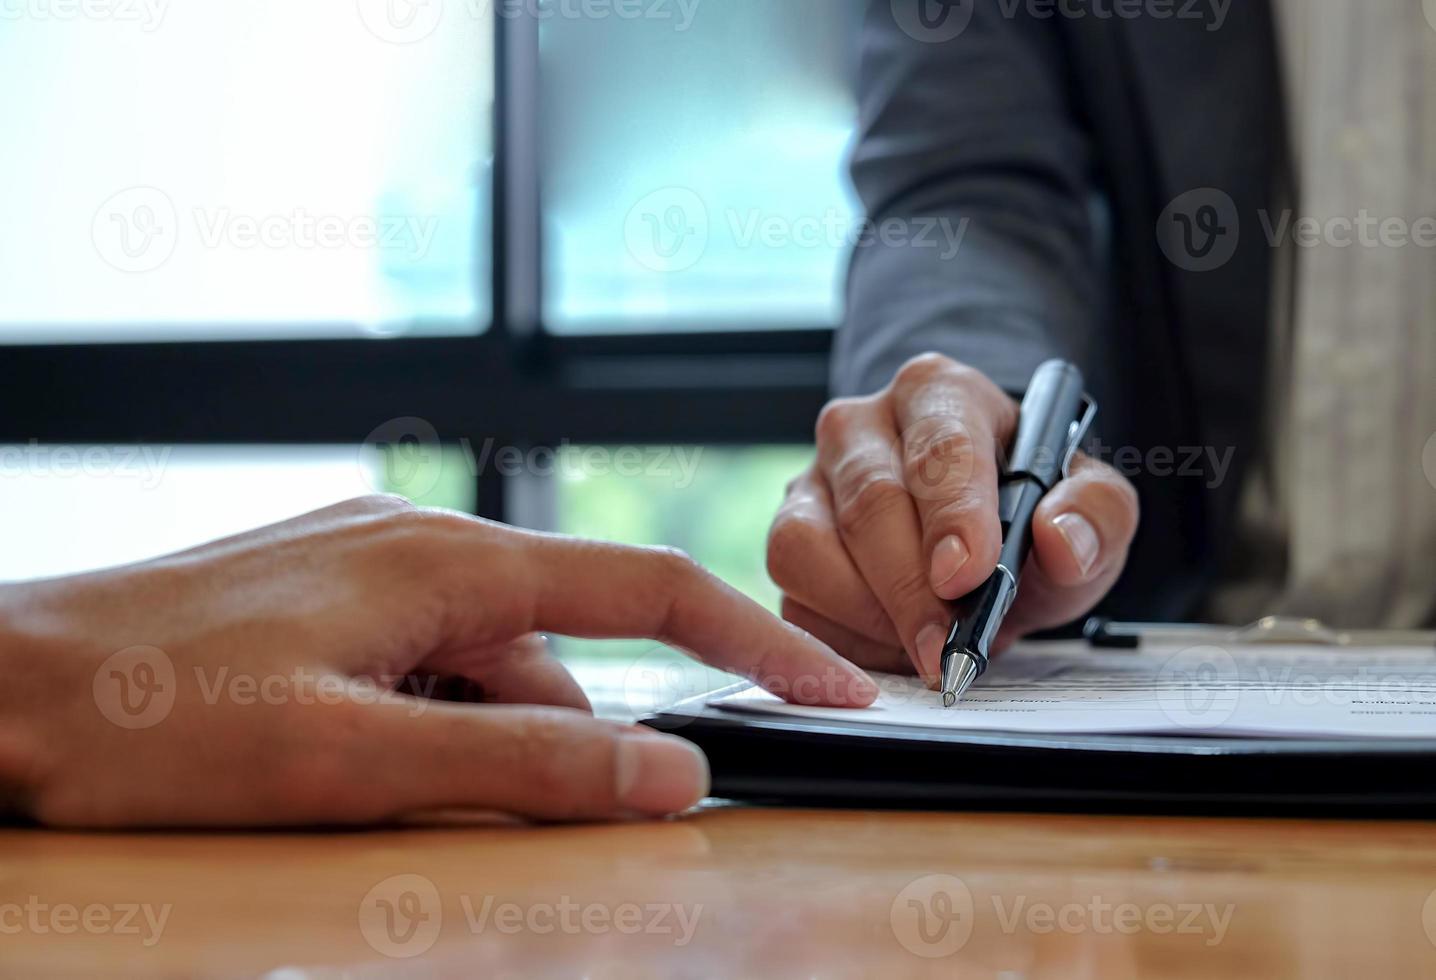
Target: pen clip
{"type": "Point", "coordinates": [1078, 432]}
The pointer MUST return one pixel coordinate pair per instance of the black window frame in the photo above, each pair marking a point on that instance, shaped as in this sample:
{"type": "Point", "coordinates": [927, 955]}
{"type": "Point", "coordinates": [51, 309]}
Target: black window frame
{"type": "Point", "coordinates": [516, 382]}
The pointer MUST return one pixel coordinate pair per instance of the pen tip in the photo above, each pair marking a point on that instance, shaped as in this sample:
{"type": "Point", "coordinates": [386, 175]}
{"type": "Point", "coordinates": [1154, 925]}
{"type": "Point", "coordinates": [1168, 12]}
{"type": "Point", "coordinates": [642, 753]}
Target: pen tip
{"type": "Point", "coordinates": [958, 673]}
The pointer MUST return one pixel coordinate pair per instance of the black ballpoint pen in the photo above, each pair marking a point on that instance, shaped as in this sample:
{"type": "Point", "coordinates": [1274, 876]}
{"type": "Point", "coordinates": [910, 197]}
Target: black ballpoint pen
{"type": "Point", "coordinates": [1049, 431]}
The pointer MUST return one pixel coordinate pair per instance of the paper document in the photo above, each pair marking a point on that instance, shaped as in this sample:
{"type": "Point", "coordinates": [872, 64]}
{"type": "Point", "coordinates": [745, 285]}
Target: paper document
{"type": "Point", "coordinates": [1071, 688]}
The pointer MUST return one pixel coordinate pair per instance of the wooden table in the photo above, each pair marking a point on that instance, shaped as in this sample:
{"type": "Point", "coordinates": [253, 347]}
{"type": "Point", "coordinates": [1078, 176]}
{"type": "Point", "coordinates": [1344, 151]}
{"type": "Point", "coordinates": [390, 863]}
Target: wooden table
{"type": "Point", "coordinates": [733, 892]}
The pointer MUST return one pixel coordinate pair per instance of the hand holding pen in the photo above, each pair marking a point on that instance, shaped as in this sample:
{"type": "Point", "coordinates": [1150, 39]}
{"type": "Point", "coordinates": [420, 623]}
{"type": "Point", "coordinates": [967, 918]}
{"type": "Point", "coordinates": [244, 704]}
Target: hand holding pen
{"type": "Point", "coordinates": [899, 516]}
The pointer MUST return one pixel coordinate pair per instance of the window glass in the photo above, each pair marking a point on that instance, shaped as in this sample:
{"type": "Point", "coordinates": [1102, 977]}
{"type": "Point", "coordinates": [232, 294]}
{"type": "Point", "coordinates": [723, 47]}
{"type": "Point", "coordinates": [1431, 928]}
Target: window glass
{"type": "Point", "coordinates": [693, 163]}
{"type": "Point", "coordinates": [271, 169]}
{"type": "Point", "coordinates": [73, 508]}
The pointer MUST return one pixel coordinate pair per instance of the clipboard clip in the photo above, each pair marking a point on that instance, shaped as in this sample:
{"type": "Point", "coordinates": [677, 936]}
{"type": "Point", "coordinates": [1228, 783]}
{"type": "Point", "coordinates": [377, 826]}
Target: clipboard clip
{"type": "Point", "coordinates": [1108, 634]}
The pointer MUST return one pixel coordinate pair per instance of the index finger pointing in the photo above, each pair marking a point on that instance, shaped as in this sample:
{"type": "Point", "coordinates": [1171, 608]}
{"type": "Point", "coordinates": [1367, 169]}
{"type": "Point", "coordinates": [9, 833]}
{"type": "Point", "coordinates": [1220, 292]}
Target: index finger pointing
{"type": "Point", "coordinates": [593, 589]}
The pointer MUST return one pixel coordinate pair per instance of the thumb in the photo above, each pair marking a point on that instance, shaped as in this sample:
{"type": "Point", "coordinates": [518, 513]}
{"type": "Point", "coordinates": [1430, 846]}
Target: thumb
{"type": "Point", "coordinates": [1081, 534]}
{"type": "Point", "coordinates": [541, 763]}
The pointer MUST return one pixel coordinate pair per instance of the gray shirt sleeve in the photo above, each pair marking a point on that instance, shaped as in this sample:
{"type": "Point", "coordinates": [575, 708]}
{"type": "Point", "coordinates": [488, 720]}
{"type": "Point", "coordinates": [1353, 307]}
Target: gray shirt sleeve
{"type": "Point", "coordinates": [975, 171]}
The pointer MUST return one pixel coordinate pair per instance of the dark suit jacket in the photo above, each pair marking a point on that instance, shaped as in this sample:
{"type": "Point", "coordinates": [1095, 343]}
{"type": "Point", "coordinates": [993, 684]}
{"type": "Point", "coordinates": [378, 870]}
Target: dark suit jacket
{"type": "Point", "coordinates": [1061, 142]}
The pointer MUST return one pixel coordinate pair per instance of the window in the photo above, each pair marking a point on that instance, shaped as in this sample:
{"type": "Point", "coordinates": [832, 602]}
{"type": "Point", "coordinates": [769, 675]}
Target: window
{"type": "Point", "coordinates": [266, 169]}
{"type": "Point", "coordinates": [693, 165]}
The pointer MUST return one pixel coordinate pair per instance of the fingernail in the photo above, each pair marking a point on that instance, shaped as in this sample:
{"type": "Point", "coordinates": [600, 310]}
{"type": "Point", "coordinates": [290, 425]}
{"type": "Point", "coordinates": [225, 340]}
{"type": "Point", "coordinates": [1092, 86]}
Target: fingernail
{"type": "Point", "coordinates": [929, 648]}
{"type": "Point", "coordinates": [659, 774]}
{"type": "Point", "coordinates": [1082, 538]}
{"type": "Point", "coordinates": [947, 560]}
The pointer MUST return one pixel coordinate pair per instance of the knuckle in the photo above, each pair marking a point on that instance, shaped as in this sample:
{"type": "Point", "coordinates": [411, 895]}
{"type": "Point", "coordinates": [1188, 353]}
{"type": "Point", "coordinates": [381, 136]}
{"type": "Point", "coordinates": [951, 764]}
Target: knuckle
{"type": "Point", "coordinates": [790, 541]}
{"type": "Point", "coordinates": [838, 419]}
{"type": "Point", "coordinates": [411, 536]}
{"type": "Point", "coordinates": [924, 369]}
{"type": "Point", "coordinates": [676, 566]}
{"type": "Point", "coordinates": [866, 495]}
{"type": "Point", "coordinates": [384, 503]}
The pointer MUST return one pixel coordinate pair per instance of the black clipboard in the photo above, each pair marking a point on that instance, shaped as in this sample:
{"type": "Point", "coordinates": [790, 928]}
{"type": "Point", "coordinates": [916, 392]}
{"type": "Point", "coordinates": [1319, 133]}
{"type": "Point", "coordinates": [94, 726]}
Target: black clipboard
{"type": "Point", "coordinates": [795, 761]}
